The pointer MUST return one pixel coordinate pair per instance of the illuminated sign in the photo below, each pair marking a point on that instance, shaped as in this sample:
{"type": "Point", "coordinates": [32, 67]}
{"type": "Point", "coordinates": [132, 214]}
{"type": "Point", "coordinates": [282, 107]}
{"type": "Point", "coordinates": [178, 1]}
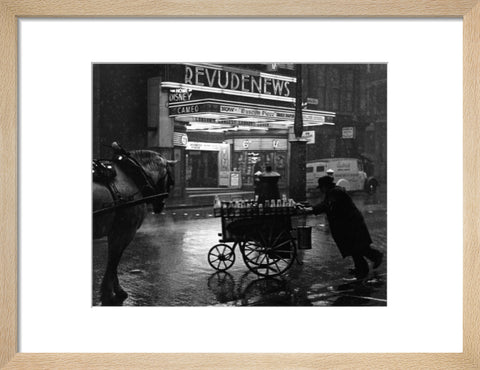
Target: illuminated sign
{"type": "Point", "coordinates": [309, 136]}
{"type": "Point", "coordinates": [180, 139]}
{"type": "Point", "coordinates": [348, 132]}
{"type": "Point", "coordinates": [211, 107]}
{"type": "Point", "coordinates": [313, 118]}
{"type": "Point", "coordinates": [197, 145]}
{"type": "Point", "coordinates": [260, 144]}
{"type": "Point", "coordinates": [247, 111]}
{"type": "Point", "coordinates": [179, 95]}
{"type": "Point", "coordinates": [186, 109]}
{"type": "Point", "coordinates": [263, 113]}
{"type": "Point", "coordinates": [224, 78]}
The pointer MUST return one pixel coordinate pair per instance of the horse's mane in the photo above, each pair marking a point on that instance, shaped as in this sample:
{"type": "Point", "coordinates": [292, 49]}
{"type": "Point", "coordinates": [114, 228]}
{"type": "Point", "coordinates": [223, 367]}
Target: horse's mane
{"type": "Point", "coordinates": [154, 162]}
{"type": "Point", "coordinates": [149, 159]}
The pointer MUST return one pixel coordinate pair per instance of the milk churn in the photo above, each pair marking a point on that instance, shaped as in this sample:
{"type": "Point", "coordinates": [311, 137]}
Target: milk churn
{"type": "Point", "coordinates": [304, 237]}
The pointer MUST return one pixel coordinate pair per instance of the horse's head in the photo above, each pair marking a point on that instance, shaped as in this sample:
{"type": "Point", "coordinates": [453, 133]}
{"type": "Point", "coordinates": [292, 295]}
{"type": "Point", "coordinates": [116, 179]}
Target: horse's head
{"type": "Point", "coordinates": [164, 185]}
{"type": "Point", "coordinates": [160, 171]}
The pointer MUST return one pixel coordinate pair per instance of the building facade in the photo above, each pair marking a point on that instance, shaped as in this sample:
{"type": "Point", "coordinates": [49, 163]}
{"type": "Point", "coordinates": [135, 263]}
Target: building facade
{"type": "Point", "coordinates": [223, 123]}
{"type": "Point", "coordinates": [358, 95]}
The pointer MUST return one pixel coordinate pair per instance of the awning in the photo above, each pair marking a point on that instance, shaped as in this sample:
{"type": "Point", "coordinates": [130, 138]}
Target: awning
{"type": "Point", "coordinates": [224, 115]}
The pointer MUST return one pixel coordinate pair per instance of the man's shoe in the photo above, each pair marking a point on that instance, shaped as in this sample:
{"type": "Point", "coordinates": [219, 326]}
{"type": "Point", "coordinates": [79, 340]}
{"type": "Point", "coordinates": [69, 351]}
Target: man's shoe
{"type": "Point", "coordinates": [359, 275]}
{"type": "Point", "coordinates": [378, 261]}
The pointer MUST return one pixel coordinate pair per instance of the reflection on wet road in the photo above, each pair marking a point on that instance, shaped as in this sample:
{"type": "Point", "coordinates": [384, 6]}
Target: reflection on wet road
{"type": "Point", "coordinates": [166, 265]}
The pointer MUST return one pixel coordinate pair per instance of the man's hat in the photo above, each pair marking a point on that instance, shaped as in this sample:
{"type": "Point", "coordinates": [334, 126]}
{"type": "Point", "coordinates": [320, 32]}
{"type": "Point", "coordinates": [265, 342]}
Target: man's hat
{"type": "Point", "coordinates": [326, 181]}
{"type": "Point", "coordinates": [330, 170]}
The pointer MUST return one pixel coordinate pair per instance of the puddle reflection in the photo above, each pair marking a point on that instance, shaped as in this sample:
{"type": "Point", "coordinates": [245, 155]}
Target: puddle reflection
{"type": "Point", "coordinates": [249, 290]}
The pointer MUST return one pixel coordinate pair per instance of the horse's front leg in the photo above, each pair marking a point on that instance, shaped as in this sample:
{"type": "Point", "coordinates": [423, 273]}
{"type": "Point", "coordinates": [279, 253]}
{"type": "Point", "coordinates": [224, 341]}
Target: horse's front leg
{"type": "Point", "coordinates": [119, 292]}
{"type": "Point", "coordinates": [111, 292]}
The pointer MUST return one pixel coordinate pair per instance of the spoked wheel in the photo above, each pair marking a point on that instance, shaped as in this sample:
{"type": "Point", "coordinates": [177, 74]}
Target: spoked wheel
{"type": "Point", "coordinates": [271, 255]}
{"type": "Point", "coordinates": [221, 257]}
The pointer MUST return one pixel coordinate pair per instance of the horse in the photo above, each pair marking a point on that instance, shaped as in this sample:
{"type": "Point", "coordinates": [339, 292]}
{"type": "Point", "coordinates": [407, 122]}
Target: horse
{"type": "Point", "coordinates": [120, 223]}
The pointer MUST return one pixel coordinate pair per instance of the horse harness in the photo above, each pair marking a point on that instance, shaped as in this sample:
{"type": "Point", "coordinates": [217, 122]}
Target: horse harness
{"type": "Point", "coordinates": [103, 172]}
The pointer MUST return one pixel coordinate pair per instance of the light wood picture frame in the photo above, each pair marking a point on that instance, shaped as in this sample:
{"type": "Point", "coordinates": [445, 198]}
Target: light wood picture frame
{"type": "Point", "coordinates": [12, 10]}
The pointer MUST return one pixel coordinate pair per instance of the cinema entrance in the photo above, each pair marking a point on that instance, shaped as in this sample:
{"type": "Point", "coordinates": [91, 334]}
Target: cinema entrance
{"type": "Point", "coordinates": [226, 123]}
{"type": "Point", "coordinates": [201, 169]}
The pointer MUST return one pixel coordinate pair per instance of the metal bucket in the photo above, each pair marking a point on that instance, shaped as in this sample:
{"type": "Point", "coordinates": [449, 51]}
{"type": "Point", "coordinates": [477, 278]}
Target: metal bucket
{"type": "Point", "coordinates": [304, 237]}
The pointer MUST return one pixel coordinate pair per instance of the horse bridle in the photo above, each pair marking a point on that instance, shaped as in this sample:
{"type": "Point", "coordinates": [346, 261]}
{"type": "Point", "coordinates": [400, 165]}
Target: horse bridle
{"type": "Point", "coordinates": [145, 182]}
{"type": "Point", "coordinates": [141, 178]}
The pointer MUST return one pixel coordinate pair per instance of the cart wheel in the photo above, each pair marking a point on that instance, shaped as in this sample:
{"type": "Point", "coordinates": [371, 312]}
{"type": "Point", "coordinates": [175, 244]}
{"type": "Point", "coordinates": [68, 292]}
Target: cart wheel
{"type": "Point", "coordinates": [271, 254]}
{"type": "Point", "coordinates": [221, 257]}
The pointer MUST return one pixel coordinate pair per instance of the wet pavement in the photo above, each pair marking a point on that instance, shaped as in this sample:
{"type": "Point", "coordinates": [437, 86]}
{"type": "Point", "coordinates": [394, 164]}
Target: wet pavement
{"type": "Point", "coordinates": [166, 265]}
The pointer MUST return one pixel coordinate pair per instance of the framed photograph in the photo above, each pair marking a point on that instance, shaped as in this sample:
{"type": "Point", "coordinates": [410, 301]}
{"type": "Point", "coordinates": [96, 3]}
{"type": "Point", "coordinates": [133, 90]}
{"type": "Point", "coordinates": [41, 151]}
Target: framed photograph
{"type": "Point", "coordinates": [211, 150]}
{"type": "Point", "coordinates": [229, 140]}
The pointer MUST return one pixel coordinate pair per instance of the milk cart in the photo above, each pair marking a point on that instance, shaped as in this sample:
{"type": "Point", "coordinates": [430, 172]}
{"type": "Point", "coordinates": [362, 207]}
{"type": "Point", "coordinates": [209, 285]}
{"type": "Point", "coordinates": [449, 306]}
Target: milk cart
{"type": "Point", "coordinates": [264, 234]}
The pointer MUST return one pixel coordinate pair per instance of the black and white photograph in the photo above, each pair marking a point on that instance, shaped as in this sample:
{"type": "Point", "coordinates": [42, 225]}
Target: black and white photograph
{"type": "Point", "coordinates": [229, 185]}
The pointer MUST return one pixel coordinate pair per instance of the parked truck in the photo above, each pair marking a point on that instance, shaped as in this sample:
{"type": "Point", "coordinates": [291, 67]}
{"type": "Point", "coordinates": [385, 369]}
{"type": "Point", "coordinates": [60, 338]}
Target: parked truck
{"type": "Point", "coordinates": [348, 173]}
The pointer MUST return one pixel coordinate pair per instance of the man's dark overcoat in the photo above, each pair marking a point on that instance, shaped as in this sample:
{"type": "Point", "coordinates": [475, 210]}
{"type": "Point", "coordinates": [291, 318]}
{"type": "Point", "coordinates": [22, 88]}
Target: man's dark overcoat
{"type": "Point", "coordinates": [268, 186]}
{"type": "Point", "coordinates": [347, 225]}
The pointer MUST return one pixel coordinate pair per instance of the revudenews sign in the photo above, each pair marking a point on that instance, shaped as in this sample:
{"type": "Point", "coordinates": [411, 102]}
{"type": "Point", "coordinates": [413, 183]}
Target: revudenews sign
{"type": "Point", "coordinates": [223, 78]}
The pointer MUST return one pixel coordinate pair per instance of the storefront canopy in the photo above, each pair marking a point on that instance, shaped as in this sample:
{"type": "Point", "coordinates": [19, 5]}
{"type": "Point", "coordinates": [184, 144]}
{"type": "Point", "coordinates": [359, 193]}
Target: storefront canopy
{"type": "Point", "coordinates": [224, 115]}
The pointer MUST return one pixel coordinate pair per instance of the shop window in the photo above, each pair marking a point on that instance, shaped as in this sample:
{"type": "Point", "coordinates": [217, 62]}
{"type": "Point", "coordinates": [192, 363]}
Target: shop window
{"type": "Point", "coordinates": [249, 162]}
{"type": "Point", "coordinates": [202, 169]}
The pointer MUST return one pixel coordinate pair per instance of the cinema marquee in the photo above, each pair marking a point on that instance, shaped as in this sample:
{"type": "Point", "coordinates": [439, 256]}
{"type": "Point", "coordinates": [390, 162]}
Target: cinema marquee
{"type": "Point", "coordinates": [218, 77]}
{"type": "Point", "coordinates": [223, 122]}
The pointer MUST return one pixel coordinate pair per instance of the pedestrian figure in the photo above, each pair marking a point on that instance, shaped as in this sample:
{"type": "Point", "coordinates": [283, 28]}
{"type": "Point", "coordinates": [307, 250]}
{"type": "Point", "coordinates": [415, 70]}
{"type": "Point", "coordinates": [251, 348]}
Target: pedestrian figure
{"type": "Point", "coordinates": [269, 172]}
{"type": "Point", "coordinates": [268, 186]}
{"type": "Point", "coordinates": [258, 166]}
{"type": "Point", "coordinates": [257, 172]}
{"type": "Point", "coordinates": [347, 226]}
{"type": "Point", "coordinates": [256, 183]}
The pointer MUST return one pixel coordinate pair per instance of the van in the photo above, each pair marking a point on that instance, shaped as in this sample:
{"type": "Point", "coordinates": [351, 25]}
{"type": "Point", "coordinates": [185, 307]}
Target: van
{"type": "Point", "coordinates": [348, 174]}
